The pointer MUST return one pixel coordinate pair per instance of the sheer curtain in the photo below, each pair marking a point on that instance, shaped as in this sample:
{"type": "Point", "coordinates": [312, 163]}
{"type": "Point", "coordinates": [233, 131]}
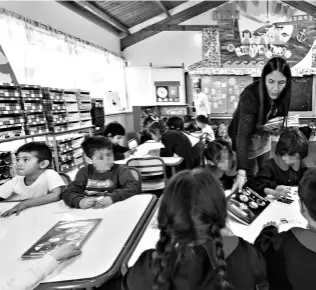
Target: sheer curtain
{"type": "Point", "coordinates": [42, 56]}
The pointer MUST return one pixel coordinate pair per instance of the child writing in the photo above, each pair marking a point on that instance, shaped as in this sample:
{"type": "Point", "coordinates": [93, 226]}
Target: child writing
{"type": "Point", "coordinates": [29, 278]}
{"type": "Point", "coordinates": [115, 132]}
{"type": "Point", "coordinates": [35, 184]}
{"type": "Point", "coordinates": [219, 158]}
{"type": "Point", "coordinates": [207, 131]}
{"type": "Point", "coordinates": [191, 252]}
{"type": "Point", "coordinates": [189, 124]}
{"type": "Point", "coordinates": [291, 255]}
{"type": "Point", "coordinates": [101, 178]}
{"type": "Point", "coordinates": [285, 169]}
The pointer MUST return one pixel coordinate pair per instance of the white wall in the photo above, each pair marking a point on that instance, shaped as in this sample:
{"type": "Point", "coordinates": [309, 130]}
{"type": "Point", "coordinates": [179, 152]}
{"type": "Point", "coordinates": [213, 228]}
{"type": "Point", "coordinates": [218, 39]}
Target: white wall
{"type": "Point", "coordinates": [63, 19]}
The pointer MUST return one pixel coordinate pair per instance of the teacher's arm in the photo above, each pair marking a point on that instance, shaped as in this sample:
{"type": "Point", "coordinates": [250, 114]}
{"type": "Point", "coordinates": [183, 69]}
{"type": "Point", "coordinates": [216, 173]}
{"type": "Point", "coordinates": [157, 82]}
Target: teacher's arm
{"type": "Point", "coordinates": [246, 128]}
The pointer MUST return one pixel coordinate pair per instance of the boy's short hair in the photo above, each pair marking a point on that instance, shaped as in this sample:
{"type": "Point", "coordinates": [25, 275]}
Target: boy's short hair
{"type": "Point", "coordinates": [307, 191]}
{"type": "Point", "coordinates": [95, 143]}
{"type": "Point", "coordinates": [41, 149]}
{"type": "Point", "coordinates": [292, 141]}
{"type": "Point", "coordinates": [114, 128]}
{"type": "Point", "coordinates": [176, 123]}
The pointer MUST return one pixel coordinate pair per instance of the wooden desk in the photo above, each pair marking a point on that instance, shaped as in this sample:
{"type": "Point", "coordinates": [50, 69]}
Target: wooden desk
{"type": "Point", "coordinates": [274, 212]}
{"type": "Point", "coordinates": [102, 254]}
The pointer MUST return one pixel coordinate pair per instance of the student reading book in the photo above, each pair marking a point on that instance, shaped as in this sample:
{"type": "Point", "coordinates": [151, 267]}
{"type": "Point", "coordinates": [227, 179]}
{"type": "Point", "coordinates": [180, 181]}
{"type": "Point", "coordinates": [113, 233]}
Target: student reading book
{"type": "Point", "coordinates": [207, 131]}
{"type": "Point", "coordinates": [285, 169]}
{"type": "Point", "coordinates": [191, 252]}
{"type": "Point", "coordinates": [114, 131]}
{"type": "Point", "coordinates": [291, 255]}
{"type": "Point", "coordinates": [219, 158]}
{"type": "Point", "coordinates": [101, 178]}
{"type": "Point", "coordinates": [35, 184]}
{"type": "Point", "coordinates": [28, 278]}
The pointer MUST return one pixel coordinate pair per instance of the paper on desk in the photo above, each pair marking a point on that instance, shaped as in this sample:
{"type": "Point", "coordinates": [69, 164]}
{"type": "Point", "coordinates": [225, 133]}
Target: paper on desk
{"type": "Point", "coordinates": [142, 150]}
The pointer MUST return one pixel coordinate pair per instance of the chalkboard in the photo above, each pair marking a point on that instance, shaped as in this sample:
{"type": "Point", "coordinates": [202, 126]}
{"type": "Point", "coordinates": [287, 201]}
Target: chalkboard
{"type": "Point", "coordinates": [302, 94]}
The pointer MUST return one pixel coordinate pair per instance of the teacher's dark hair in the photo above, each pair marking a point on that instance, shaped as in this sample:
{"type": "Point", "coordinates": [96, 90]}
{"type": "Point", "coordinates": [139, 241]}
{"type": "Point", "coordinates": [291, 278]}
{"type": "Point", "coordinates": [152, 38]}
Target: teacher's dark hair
{"type": "Point", "coordinates": [283, 101]}
{"type": "Point", "coordinates": [193, 210]}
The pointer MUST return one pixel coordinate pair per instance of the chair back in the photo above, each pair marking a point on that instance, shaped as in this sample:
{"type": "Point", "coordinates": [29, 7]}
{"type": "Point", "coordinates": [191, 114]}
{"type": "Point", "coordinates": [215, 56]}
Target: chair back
{"type": "Point", "coordinates": [132, 144]}
{"type": "Point", "coordinates": [148, 166]}
{"type": "Point", "coordinates": [65, 177]}
{"type": "Point", "coordinates": [136, 175]}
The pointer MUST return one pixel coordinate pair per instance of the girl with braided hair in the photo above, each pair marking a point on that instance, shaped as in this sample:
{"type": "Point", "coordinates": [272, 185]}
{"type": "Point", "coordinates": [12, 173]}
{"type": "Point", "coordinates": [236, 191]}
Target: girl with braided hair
{"type": "Point", "coordinates": [191, 253]}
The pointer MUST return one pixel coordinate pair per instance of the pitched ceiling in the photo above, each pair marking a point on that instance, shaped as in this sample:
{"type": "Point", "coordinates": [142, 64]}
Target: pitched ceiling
{"type": "Point", "coordinates": [121, 17]}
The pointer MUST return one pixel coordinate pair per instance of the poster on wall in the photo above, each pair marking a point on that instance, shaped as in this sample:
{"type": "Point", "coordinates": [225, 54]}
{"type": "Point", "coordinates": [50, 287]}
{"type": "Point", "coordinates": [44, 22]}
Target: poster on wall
{"type": "Point", "coordinates": [253, 48]}
{"type": "Point", "coordinates": [113, 103]}
{"type": "Point", "coordinates": [6, 73]}
{"type": "Point", "coordinates": [167, 92]}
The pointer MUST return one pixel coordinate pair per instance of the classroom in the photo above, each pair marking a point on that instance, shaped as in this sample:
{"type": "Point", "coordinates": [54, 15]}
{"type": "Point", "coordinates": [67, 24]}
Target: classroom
{"type": "Point", "coordinates": [165, 145]}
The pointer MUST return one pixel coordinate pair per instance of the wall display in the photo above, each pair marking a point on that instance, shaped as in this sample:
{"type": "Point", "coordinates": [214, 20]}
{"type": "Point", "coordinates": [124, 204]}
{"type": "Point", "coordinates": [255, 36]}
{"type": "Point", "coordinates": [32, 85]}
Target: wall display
{"type": "Point", "coordinates": [211, 47]}
{"type": "Point", "coordinates": [223, 91]}
{"type": "Point", "coordinates": [254, 47]}
{"type": "Point", "coordinates": [6, 73]}
{"type": "Point", "coordinates": [167, 92]}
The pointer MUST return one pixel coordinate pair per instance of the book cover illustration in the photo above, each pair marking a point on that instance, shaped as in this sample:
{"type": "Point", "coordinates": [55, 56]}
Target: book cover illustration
{"type": "Point", "coordinates": [246, 206]}
{"type": "Point", "coordinates": [75, 231]}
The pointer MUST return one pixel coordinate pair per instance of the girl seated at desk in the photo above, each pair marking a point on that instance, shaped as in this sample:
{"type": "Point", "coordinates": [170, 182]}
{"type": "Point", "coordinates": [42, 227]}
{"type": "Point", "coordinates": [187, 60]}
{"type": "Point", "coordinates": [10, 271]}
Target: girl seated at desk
{"type": "Point", "coordinates": [191, 252]}
{"type": "Point", "coordinates": [285, 169]}
{"type": "Point", "coordinates": [219, 158]}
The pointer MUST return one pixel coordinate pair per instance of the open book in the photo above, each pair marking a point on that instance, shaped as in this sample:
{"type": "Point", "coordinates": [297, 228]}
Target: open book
{"type": "Point", "coordinates": [276, 123]}
{"type": "Point", "coordinates": [246, 206]}
{"type": "Point", "coordinates": [74, 232]}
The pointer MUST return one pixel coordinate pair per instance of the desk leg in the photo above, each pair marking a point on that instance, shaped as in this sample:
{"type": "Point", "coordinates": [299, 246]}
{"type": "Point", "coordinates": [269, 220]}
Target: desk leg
{"type": "Point", "coordinates": [173, 170]}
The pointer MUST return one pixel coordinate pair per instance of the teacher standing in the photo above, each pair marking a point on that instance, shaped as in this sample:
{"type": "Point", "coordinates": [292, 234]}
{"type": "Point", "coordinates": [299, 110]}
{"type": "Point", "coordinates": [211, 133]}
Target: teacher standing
{"type": "Point", "coordinates": [201, 102]}
{"type": "Point", "coordinates": [259, 102]}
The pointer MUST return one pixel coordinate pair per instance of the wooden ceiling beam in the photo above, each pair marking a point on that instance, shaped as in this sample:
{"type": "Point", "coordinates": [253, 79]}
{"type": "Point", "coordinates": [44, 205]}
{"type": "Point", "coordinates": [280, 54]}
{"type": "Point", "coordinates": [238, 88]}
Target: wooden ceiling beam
{"type": "Point", "coordinates": [303, 6]}
{"type": "Point", "coordinates": [163, 8]}
{"type": "Point", "coordinates": [104, 25]}
{"type": "Point", "coordinates": [175, 19]}
{"type": "Point", "coordinates": [103, 15]}
{"type": "Point", "coordinates": [174, 27]}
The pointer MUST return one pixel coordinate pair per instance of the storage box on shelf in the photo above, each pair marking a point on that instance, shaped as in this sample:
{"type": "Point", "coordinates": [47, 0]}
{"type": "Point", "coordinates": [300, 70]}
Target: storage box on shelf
{"type": "Point", "coordinates": [33, 105]}
{"type": "Point", "coordinates": [7, 166]}
{"type": "Point", "coordinates": [84, 106]}
{"type": "Point", "coordinates": [55, 109]}
{"type": "Point", "coordinates": [11, 115]}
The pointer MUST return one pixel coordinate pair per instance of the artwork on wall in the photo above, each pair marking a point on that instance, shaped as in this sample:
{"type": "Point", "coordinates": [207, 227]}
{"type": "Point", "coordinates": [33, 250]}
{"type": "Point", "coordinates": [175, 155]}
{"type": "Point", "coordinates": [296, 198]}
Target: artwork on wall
{"type": "Point", "coordinates": [6, 73]}
{"type": "Point", "coordinates": [167, 92]}
{"type": "Point", "coordinates": [211, 47]}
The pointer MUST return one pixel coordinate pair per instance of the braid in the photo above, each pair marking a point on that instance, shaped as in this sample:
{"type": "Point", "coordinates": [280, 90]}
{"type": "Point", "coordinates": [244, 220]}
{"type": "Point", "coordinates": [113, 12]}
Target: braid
{"type": "Point", "coordinates": [163, 265]}
{"type": "Point", "coordinates": [219, 262]}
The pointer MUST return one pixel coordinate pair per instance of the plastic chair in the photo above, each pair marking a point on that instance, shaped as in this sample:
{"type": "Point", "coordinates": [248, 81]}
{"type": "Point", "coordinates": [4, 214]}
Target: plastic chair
{"type": "Point", "coordinates": [152, 171]}
{"type": "Point", "coordinates": [65, 177]}
{"type": "Point", "coordinates": [136, 175]}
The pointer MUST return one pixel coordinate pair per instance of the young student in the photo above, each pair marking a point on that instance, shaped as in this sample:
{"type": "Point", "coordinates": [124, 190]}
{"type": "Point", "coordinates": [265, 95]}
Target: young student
{"type": "Point", "coordinates": [291, 255]}
{"type": "Point", "coordinates": [34, 184]}
{"type": "Point", "coordinates": [207, 131]}
{"type": "Point", "coordinates": [115, 132]}
{"type": "Point", "coordinates": [29, 278]}
{"type": "Point", "coordinates": [285, 169]}
{"type": "Point", "coordinates": [101, 178]}
{"type": "Point", "coordinates": [191, 252]}
{"type": "Point", "coordinates": [189, 124]}
{"type": "Point", "coordinates": [219, 158]}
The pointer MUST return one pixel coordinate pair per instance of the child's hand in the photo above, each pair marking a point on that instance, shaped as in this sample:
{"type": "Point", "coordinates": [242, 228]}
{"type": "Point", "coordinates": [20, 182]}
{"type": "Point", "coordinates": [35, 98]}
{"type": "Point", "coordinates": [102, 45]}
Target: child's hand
{"type": "Point", "coordinates": [65, 251]}
{"type": "Point", "coordinates": [92, 192]}
{"type": "Point", "coordinates": [104, 202]}
{"type": "Point", "coordinates": [16, 209]}
{"type": "Point", "coordinates": [127, 154]}
{"type": "Point", "coordinates": [87, 202]}
{"type": "Point", "coordinates": [281, 191]}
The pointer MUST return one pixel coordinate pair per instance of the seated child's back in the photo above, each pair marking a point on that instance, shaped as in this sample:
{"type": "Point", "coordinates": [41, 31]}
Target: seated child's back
{"type": "Point", "coordinates": [291, 255]}
{"type": "Point", "coordinates": [101, 178]}
{"type": "Point", "coordinates": [34, 181]}
{"type": "Point", "coordinates": [285, 169]}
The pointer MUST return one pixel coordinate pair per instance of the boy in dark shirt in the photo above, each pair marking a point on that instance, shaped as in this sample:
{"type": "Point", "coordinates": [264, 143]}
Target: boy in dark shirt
{"type": "Point", "coordinates": [114, 131]}
{"type": "Point", "coordinates": [101, 178]}
{"type": "Point", "coordinates": [291, 255]}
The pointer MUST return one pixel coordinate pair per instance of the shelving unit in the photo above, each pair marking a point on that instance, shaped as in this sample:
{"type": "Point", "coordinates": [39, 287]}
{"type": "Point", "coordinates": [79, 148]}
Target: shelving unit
{"type": "Point", "coordinates": [97, 114]}
{"type": "Point", "coordinates": [11, 114]}
{"type": "Point", "coordinates": [84, 106]}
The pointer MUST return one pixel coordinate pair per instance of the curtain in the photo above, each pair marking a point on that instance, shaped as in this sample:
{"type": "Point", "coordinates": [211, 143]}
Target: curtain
{"type": "Point", "coordinates": [42, 56]}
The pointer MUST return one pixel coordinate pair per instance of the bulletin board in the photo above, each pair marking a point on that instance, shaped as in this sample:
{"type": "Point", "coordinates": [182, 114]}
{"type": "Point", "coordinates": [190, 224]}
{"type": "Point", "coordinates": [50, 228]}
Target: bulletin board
{"type": "Point", "coordinates": [223, 91]}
